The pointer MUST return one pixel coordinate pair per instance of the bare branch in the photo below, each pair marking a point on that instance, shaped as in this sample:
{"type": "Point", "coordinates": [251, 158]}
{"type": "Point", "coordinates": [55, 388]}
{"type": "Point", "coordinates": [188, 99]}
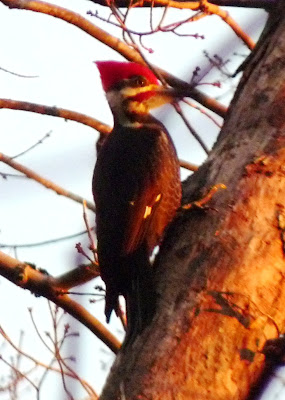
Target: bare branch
{"type": "Point", "coordinates": [208, 9]}
{"type": "Point", "coordinates": [29, 278]}
{"type": "Point", "coordinates": [16, 371]}
{"type": "Point", "coordinates": [187, 165]}
{"type": "Point", "coordinates": [40, 364]}
{"type": "Point", "coordinates": [77, 276]}
{"type": "Point", "coordinates": [214, 9]}
{"type": "Point", "coordinates": [114, 43]}
{"type": "Point", "coordinates": [45, 182]}
{"type": "Point", "coordinates": [55, 112]}
{"type": "Point", "coordinates": [76, 20]}
{"type": "Point", "coordinates": [266, 4]}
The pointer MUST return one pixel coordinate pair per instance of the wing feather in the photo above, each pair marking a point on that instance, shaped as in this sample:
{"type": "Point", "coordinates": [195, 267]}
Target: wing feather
{"type": "Point", "coordinates": [141, 213]}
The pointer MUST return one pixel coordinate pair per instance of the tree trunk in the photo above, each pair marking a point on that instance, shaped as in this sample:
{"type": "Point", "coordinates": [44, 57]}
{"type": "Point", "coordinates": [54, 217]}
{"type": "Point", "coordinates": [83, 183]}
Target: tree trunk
{"type": "Point", "coordinates": [220, 273]}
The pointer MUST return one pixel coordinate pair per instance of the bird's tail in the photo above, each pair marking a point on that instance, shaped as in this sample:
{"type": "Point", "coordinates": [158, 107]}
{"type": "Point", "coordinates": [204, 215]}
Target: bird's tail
{"type": "Point", "coordinates": [139, 294]}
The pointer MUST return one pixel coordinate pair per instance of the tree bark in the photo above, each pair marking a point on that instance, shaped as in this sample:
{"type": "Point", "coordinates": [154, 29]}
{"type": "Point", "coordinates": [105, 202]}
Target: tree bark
{"type": "Point", "coordinates": [220, 272]}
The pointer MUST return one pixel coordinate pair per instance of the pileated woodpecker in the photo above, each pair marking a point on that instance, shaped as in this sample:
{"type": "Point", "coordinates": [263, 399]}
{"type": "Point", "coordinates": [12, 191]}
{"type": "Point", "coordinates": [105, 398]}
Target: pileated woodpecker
{"type": "Point", "coordinates": [136, 188]}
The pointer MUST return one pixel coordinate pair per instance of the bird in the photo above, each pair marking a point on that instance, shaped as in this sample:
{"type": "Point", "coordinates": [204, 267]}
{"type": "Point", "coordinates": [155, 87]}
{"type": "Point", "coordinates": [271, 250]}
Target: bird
{"type": "Point", "coordinates": [136, 187]}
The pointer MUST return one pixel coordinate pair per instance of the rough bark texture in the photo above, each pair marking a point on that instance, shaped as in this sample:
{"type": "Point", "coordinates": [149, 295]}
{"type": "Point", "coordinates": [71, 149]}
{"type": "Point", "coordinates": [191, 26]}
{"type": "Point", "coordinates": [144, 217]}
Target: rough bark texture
{"type": "Point", "coordinates": [220, 273]}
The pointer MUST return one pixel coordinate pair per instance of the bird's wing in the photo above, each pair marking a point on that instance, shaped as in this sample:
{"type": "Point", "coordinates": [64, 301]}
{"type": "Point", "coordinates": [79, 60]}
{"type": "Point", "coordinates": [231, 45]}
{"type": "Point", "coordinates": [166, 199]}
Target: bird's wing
{"type": "Point", "coordinates": [141, 212]}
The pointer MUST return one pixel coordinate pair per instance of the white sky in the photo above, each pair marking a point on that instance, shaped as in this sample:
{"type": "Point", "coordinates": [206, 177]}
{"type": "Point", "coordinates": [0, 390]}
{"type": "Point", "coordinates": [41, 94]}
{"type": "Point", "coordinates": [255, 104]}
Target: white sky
{"type": "Point", "coordinates": [62, 57]}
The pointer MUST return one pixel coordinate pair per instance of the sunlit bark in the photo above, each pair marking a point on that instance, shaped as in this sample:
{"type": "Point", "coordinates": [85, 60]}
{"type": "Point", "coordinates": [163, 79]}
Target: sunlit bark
{"type": "Point", "coordinates": [220, 273]}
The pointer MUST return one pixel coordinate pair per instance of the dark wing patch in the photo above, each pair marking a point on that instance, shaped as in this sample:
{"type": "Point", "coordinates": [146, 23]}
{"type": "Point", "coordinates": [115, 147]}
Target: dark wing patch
{"type": "Point", "coordinates": [141, 213]}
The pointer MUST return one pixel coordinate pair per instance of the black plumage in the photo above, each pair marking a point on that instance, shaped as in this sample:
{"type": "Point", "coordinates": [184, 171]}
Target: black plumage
{"type": "Point", "coordinates": [137, 190]}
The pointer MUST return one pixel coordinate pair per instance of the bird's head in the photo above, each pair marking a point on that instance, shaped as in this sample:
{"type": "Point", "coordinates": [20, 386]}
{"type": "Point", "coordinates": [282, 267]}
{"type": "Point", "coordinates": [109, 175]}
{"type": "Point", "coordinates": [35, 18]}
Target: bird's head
{"type": "Point", "coordinates": [132, 90]}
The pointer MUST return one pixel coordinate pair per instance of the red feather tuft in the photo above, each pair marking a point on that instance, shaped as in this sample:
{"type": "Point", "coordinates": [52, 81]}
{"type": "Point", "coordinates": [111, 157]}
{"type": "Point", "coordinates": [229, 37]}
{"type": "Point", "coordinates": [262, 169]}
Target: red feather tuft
{"type": "Point", "coordinates": [115, 71]}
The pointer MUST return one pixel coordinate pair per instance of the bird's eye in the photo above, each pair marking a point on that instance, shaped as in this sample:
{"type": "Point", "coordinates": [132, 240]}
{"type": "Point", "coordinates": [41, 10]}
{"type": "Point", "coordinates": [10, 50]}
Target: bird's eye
{"type": "Point", "coordinates": [138, 81]}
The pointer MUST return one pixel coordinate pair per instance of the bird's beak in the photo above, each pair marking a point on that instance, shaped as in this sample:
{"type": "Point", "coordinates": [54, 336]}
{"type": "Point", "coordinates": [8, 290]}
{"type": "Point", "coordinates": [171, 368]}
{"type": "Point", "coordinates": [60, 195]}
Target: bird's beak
{"type": "Point", "coordinates": [164, 95]}
{"type": "Point", "coordinates": [154, 96]}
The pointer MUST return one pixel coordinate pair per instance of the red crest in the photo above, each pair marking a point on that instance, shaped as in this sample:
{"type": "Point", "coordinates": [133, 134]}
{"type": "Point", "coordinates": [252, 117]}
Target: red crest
{"type": "Point", "coordinates": [115, 71]}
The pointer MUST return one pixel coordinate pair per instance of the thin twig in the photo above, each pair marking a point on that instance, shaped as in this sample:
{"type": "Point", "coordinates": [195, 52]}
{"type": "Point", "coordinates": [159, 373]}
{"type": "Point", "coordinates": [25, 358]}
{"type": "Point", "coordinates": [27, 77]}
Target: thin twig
{"type": "Point", "coordinates": [43, 181]}
{"type": "Point", "coordinates": [58, 343]}
{"type": "Point", "coordinates": [44, 242]}
{"type": "Point", "coordinates": [171, 28]}
{"type": "Point", "coordinates": [80, 250]}
{"type": "Point", "coordinates": [5, 175]}
{"type": "Point", "coordinates": [17, 74]}
{"type": "Point", "coordinates": [202, 111]}
{"type": "Point", "coordinates": [204, 200]}
{"type": "Point", "coordinates": [41, 364]}
{"type": "Point", "coordinates": [56, 350]}
{"type": "Point", "coordinates": [84, 294]}
{"type": "Point", "coordinates": [90, 236]}
{"type": "Point", "coordinates": [190, 127]}
{"type": "Point", "coordinates": [38, 332]}
{"type": "Point", "coordinates": [33, 146]}
{"type": "Point", "coordinates": [20, 373]}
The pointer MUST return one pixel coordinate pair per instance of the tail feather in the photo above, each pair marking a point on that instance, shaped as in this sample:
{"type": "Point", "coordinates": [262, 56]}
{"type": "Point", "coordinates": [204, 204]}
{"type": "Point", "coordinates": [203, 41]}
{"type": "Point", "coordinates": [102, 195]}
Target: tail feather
{"type": "Point", "coordinates": [134, 281]}
{"type": "Point", "coordinates": [111, 303]}
{"type": "Point", "coordinates": [139, 294]}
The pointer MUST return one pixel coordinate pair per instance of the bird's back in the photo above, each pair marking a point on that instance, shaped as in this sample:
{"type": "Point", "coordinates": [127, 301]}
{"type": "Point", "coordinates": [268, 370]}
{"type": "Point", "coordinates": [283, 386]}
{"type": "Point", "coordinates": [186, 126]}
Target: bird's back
{"type": "Point", "coordinates": [137, 190]}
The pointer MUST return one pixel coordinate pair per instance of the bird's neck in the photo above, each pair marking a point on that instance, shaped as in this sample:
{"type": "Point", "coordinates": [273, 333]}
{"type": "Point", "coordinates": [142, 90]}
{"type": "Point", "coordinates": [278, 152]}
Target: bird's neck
{"type": "Point", "coordinates": [128, 113]}
{"type": "Point", "coordinates": [133, 120]}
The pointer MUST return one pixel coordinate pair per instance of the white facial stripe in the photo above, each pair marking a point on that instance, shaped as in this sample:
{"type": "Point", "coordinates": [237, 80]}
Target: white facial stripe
{"type": "Point", "coordinates": [118, 99]}
{"type": "Point", "coordinates": [115, 100]}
